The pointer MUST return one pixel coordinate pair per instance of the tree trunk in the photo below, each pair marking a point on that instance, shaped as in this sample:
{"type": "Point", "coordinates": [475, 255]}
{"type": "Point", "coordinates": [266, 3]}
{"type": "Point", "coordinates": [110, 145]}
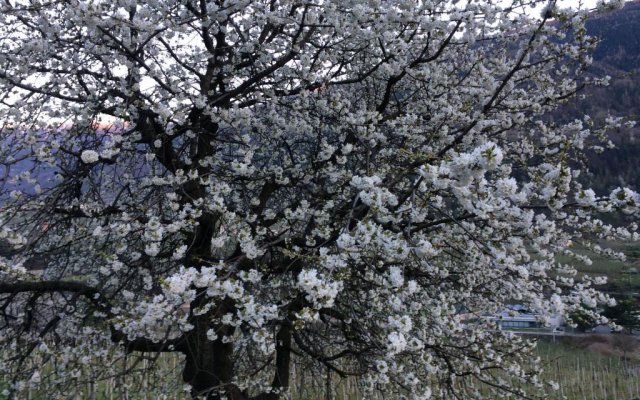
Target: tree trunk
{"type": "Point", "coordinates": [283, 356]}
{"type": "Point", "coordinates": [209, 365]}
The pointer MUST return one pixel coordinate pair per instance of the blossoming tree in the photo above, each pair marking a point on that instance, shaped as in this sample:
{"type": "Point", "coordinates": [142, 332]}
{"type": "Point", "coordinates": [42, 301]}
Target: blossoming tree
{"type": "Point", "coordinates": [252, 183]}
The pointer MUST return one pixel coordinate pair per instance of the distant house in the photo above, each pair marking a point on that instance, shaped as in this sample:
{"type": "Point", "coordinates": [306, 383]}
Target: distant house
{"type": "Point", "coordinates": [505, 320]}
{"type": "Point", "coordinates": [517, 316]}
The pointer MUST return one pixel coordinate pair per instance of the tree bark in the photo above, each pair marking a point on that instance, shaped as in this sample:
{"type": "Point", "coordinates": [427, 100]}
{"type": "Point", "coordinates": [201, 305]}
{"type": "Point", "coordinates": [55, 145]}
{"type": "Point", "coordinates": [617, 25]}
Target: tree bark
{"type": "Point", "coordinates": [209, 365]}
{"type": "Point", "coordinates": [283, 356]}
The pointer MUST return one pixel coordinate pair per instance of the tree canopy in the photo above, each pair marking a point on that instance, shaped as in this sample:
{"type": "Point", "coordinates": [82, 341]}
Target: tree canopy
{"type": "Point", "coordinates": [350, 184]}
{"type": "Point", "coordinates": [624, 313]}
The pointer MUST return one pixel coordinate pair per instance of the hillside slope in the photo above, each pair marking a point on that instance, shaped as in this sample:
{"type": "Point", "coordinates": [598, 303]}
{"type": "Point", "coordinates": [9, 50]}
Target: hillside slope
{"type": "Point", "coordinates": [617, 55]}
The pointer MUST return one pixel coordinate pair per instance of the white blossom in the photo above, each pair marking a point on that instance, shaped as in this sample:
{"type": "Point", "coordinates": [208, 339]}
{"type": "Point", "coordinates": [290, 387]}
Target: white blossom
{"type": "Point", "coordinates": [89, 156]}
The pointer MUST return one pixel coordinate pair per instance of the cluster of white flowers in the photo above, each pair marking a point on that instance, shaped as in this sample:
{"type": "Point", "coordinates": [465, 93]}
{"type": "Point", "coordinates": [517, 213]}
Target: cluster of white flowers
{"type": "Point", "coordinates": [626, 200]}
{"type": "Point", "coordinates": [396, 343]}
{"type": "Point", "coordinates": [319, 291]}
{"type": "Point", "coordinates": [89, 156]}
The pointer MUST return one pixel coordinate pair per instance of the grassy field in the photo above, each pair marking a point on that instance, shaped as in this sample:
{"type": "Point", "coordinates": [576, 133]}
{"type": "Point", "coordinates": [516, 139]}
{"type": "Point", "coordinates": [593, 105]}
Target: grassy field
{"type": "Point", "coordinates": [582, 370]}
{"type": "Point", "coordinates": [590, 368]}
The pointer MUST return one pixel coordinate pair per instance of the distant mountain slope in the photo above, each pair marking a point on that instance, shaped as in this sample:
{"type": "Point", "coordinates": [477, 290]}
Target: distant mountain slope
{"type": "Point", "coordinates": [617, 55]}
{"type": "Point", "coordinates": [619, 34]}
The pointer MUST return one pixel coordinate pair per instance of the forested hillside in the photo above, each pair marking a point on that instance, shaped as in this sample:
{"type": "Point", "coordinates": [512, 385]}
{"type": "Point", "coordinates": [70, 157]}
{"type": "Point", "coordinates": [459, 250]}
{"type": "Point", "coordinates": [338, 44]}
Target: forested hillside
{"type": "Point", "coordinates": [617, 55]}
